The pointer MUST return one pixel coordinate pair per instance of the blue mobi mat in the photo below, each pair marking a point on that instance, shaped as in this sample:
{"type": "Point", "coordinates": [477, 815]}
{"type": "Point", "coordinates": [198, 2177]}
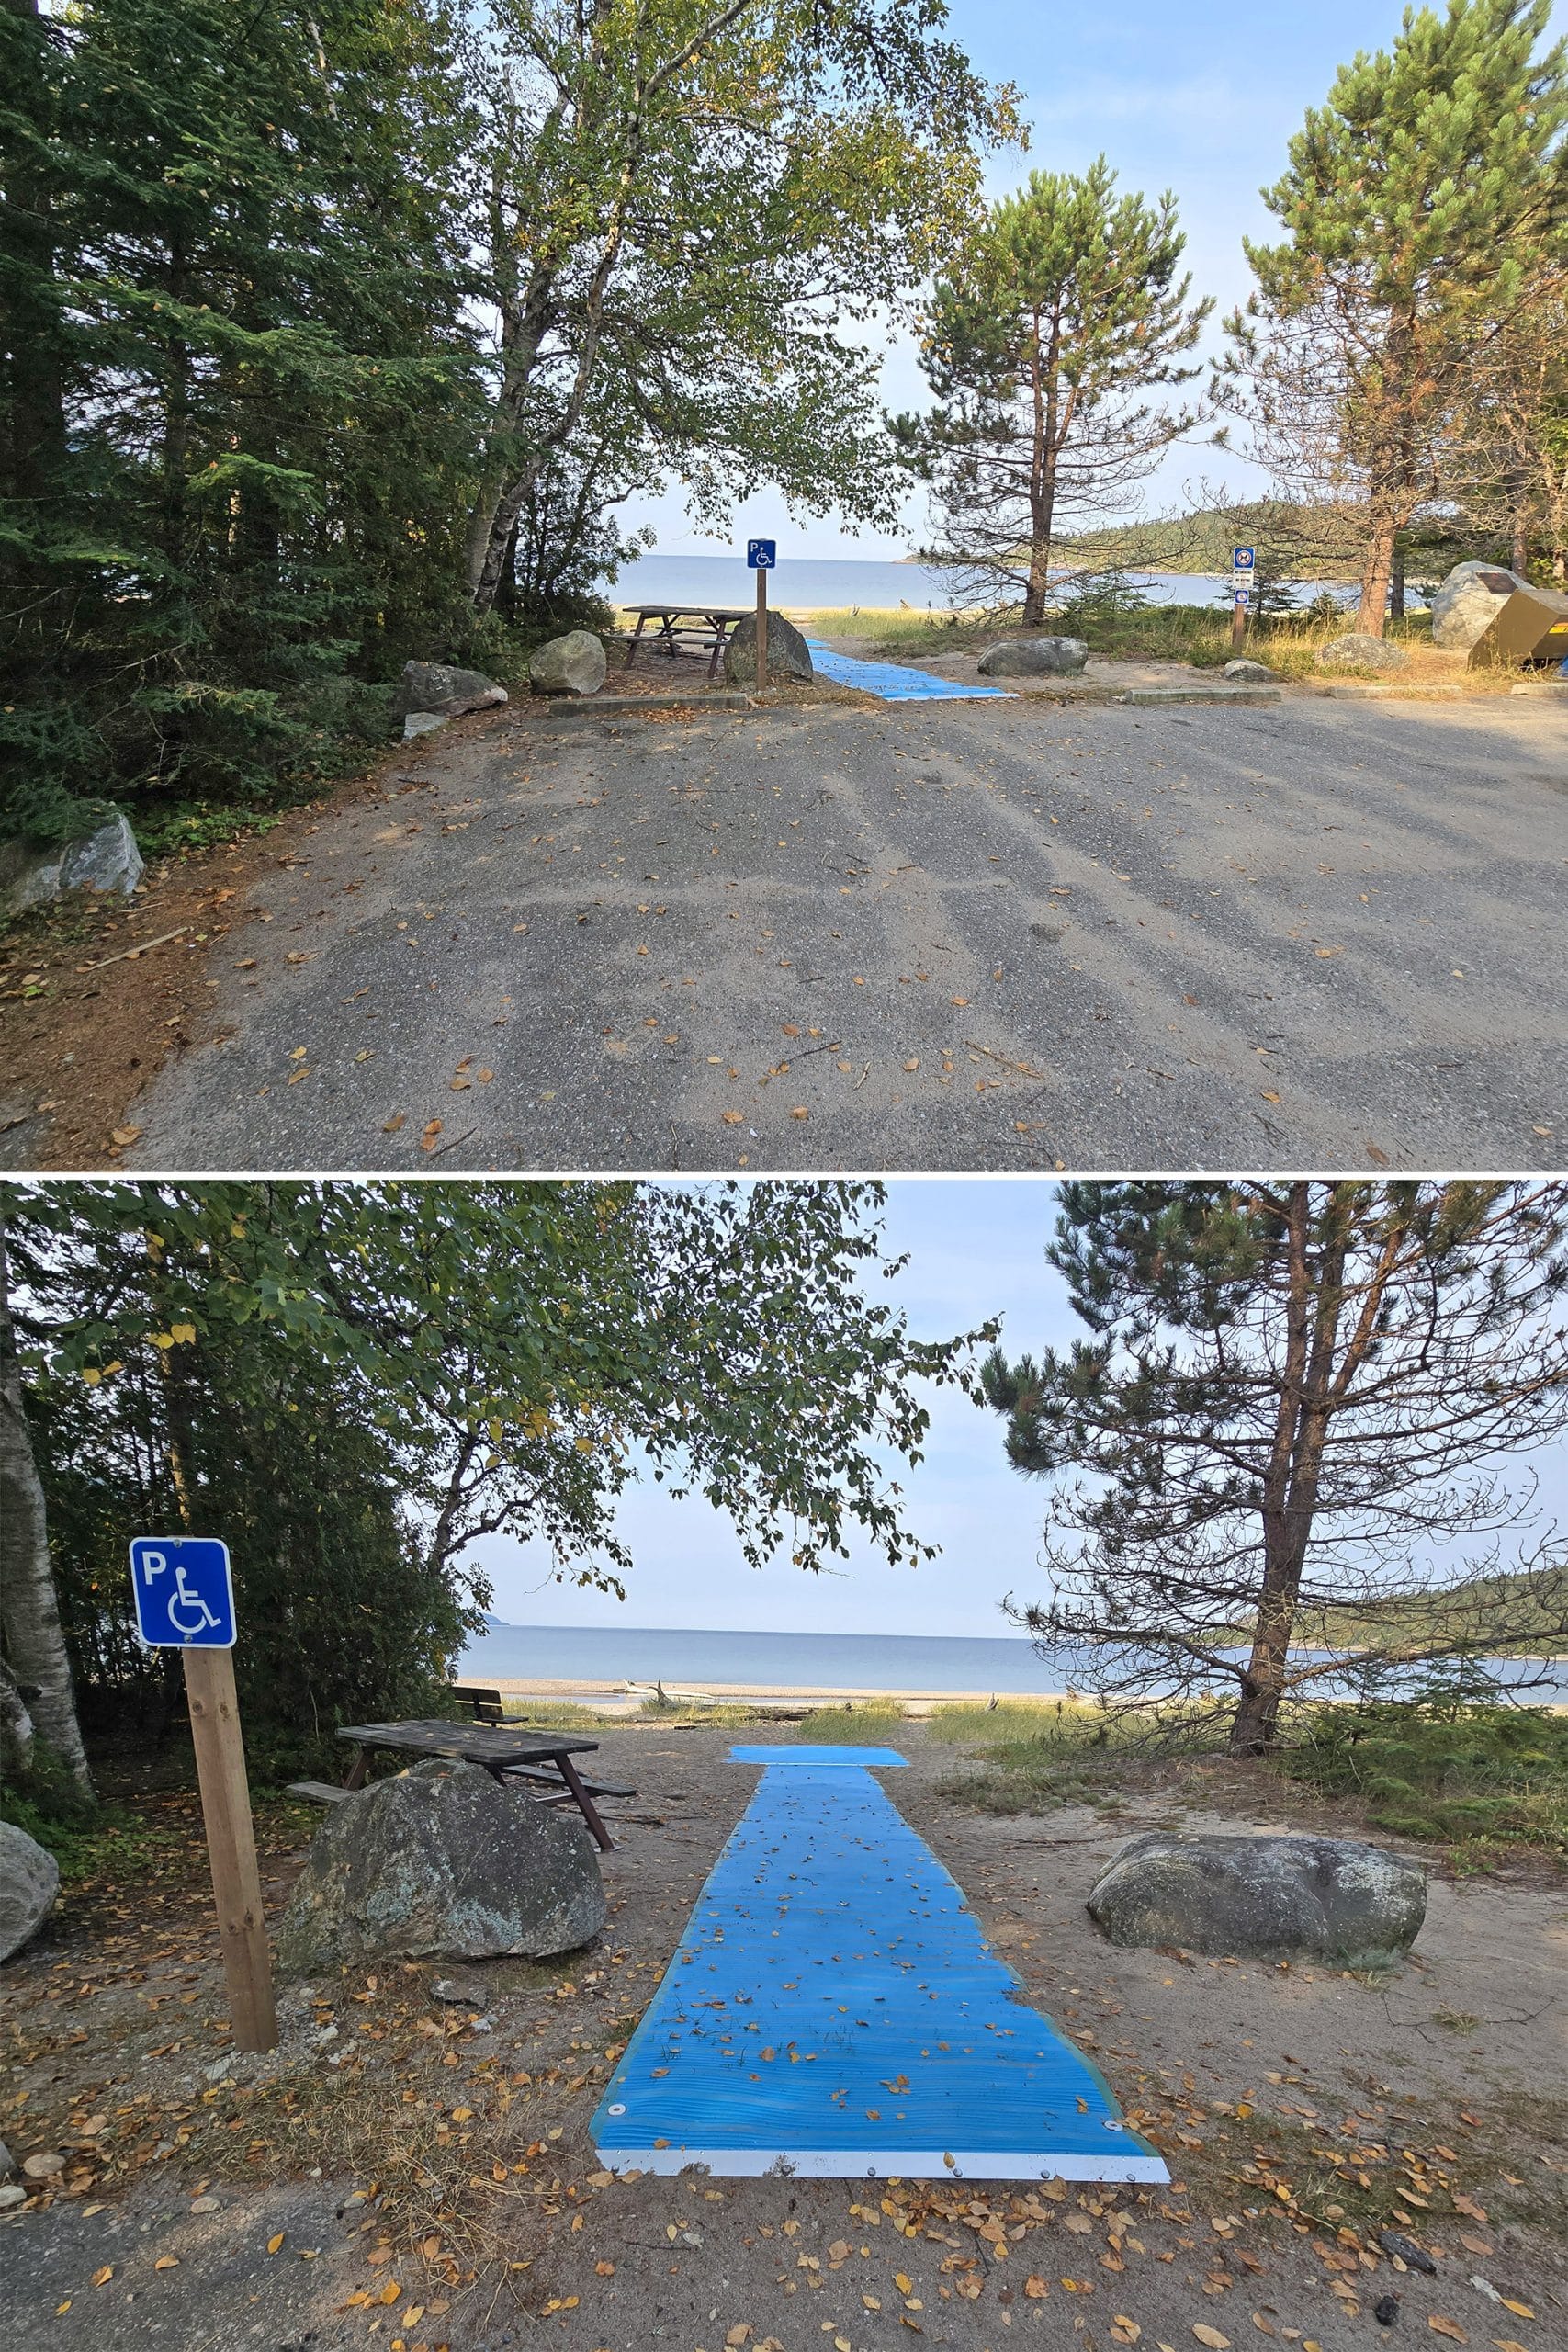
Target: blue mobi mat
{"type": "Point", "coordinates": [833, 2010]}
{"type": "Point", "coordinates": [893, 681]}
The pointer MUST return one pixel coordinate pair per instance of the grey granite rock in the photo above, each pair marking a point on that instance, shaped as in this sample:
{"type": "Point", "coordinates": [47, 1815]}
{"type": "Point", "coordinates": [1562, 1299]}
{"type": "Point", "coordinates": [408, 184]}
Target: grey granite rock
{"type": "Point", "coordinates": [1034, 657]}
{"type": "Point", "coordinates": [438, 685]}
{"type": "Point", "coordinates": [1268, 1898]}
{"type": "Point", "coordinates": [442, 1861]}
{"type": "Point", "coordinates": [573, 664]}
{"type": "Point", "coordinates": [789, 656]}
{"type": "Point", "coordinates": [1466, 604]}
{"type": "Point", "coordinates": [1356, 651]}
{"type": "Point", "coordinates": [33, 875]}
{"type": "Point", "coordinates": [29, 1881]}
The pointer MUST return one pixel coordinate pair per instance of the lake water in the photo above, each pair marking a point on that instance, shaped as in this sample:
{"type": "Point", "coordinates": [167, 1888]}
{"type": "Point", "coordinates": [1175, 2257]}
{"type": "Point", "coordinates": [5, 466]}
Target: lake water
{"type": "Point", "coordinates": [829, 582]}
{"type": "Point", "coordinates": [789, 1661]}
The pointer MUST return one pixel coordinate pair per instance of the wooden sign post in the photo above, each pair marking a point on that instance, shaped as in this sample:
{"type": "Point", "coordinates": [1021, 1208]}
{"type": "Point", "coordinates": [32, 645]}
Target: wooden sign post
{"type": "Point", "coordinates": [232, 1846]}
{"type": "Point", "coordinates": [185, 1600]}
{"type": "Point", "coordinates": [761, 555]}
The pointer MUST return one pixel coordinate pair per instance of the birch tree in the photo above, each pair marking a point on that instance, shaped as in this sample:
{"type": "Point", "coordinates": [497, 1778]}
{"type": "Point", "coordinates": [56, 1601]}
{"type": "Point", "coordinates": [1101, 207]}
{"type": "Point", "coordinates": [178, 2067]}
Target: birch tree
{"type": "Point", "coordinates": [36, 1699]}
{"type": "Point", "coordinates": [711, 201]}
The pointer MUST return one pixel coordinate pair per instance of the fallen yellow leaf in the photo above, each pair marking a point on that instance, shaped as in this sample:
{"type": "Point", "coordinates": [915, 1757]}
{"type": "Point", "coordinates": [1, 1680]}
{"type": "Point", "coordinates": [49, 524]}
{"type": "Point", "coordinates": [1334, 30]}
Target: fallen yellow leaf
{"type": "Point", "coordinates": [274, 2243]}
{"type": "Point", "coordinates": [1449, 2327]}
{"type": "Point", "coordinates": [1210, 2337]}
{"type": "Point", "coordinates": [101, 2277]}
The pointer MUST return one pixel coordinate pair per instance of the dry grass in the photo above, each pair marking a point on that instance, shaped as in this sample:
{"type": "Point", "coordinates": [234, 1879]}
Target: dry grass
{"type": "Point", "coordinates": [1197, 634]}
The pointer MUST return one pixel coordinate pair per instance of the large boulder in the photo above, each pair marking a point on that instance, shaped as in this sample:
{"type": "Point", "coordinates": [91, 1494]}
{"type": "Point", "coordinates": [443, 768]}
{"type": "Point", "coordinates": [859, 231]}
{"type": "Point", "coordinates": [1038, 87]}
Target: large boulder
{"type": "Point", "coordinates": [789, 656]}
{"type": "Point", "coordinates": [438, 685]}
{"type": "Point", "coordinates": [1263, 1899]}
{"type": "Point", "coordinates": [1468, 603]}
{"type": "Point", "coordinates": [1251, 674]}
{"type": "Point", "coordinates": [1358, 650]}
{"type": "Point", "coordinates": [29, 1881]}
{"type": "Point", "coordinates": [32, 875]}
{"type": "Point", "coordinates": [1034, 657]}
{"type": "Point", "coordinates": [573, 664]}
{"type": "Point", "coordinates": [444, 1860]}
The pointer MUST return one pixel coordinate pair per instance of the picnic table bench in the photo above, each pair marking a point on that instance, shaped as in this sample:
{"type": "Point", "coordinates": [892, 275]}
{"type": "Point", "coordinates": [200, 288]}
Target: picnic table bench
{"type": "Point", "coordinates": [483, 1704]}
{"type": "Point", "coordinates": [506, 1754]}
{"type": "Point", "coordinates": [713, 625]}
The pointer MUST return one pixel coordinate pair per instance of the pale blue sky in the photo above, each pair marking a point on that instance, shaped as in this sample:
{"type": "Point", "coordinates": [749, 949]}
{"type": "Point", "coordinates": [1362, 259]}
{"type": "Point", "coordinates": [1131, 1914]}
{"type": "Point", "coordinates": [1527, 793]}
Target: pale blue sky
{"type": "Point", "coordinates": [976, 1247]}
{"type": "Point", "coordinates": [1178, 94]}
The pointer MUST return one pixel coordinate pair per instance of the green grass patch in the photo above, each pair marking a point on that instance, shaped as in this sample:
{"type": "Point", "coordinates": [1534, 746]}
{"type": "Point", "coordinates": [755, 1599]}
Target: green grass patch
{"type": "Point", "coordinates": [1471, 1777]}
{"type": "Point", "coordinates": [1032, 1754]}
{"type": "Point", "coordinates": [556, 1714]}
{"type": "Point", "coordinates": [860, 1723]}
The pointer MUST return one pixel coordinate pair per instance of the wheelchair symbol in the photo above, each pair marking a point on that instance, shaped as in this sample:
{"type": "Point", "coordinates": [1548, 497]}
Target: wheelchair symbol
{"type": "Point", "coordinates": [186, 1611]}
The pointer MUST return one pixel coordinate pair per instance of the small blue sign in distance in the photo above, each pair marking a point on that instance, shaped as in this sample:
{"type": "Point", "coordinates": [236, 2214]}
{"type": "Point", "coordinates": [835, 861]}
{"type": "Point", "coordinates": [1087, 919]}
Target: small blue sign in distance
{"type": "Point", "coordinates": [185, 1593]}
{"type": "Point", "coordinates": [1244, 558]}
{"type": "Point", "coordinates": [763, 555]}
{"type": "Point", "coordinates": [1241, 596]}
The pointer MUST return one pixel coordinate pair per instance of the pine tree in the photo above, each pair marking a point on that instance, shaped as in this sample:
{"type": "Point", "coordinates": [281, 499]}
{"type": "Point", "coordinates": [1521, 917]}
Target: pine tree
{"type": "Point", "coordinates": [1424, 207]}
{"type": "Point", "coordinates": [1291, 1409]}
{"type": "Point", "coordinates": [1059, 314]}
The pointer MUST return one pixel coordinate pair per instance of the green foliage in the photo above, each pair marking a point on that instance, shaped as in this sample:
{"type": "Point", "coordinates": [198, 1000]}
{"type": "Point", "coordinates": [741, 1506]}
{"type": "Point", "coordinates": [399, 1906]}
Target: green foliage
{"type": "Point", "coordinates": [1294, 1401]}
{"type": "Point", "coordinates": [1060, 311]}
{"type": "Point", "coordinates": [860, 1723]}
{"type": "Point", "coordinates": [1031, 1754]}
{"type": "Point", "coordinates": [1465, 1776]}
{"type": "Point", "coordinates": [356, 1383]}
{"type": "Point", "coordinates": [247, 393]}
{"type": "Point", "coordinates": [88, 1842]}
{"type": "Point", "coordinates": [1423, 210]}
{"type": "Point", "coordinates": [691, 211]}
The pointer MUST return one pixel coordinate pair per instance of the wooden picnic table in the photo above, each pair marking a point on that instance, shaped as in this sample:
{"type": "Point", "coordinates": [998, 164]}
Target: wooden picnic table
{"type": "Point", "coordinates": [678, 621]}
{"type": "Point", "coordinates": [502, 1752]}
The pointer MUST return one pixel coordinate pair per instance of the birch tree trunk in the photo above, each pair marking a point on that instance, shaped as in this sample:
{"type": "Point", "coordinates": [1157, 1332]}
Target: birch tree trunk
{"type": "Point", "coordinates": [29, 1612]}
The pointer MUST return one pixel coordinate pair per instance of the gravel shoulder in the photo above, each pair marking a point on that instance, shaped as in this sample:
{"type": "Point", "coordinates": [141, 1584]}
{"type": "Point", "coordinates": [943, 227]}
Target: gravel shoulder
{"type": "Point", "coordinates": [450, 2128]}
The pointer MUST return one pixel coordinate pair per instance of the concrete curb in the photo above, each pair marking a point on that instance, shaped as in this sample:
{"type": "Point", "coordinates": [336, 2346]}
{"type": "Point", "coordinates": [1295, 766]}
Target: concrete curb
{"type": "Point", "coordinates": [722, 698]}
{"type": "Point", "coordinates": [1155, 697]}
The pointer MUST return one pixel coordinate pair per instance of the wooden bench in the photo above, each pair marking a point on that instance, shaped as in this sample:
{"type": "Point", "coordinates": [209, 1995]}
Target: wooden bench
{"type": "Point", "coordinates": [483, 1705]}
{"type": "Point", "coordinates": [554, 1780]}
{"type": "Point", "coordinates": [319, 1791]}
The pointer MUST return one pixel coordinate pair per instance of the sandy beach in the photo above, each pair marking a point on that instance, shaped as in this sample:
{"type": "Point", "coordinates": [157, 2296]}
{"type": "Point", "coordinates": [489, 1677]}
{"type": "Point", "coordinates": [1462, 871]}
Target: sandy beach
{"type": "Point", "coordinates": [615, 1698]}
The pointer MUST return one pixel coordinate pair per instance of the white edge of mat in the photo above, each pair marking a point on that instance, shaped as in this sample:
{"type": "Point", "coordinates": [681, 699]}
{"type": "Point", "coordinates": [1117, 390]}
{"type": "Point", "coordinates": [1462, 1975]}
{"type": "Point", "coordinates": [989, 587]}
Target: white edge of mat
{"type": "Point", "coordinates": [885, 2163]}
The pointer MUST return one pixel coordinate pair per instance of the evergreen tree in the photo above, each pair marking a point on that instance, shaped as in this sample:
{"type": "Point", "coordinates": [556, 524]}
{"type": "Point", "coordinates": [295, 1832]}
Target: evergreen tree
{"type": "Point", "coordinates": [1286, 1417]}
{"type": "Point", "coordinates": [1423, 208]}
{"type": "Point", "coordinates": [237, 385]}
{"type": "Point", "coordinates": [1060, 311]}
